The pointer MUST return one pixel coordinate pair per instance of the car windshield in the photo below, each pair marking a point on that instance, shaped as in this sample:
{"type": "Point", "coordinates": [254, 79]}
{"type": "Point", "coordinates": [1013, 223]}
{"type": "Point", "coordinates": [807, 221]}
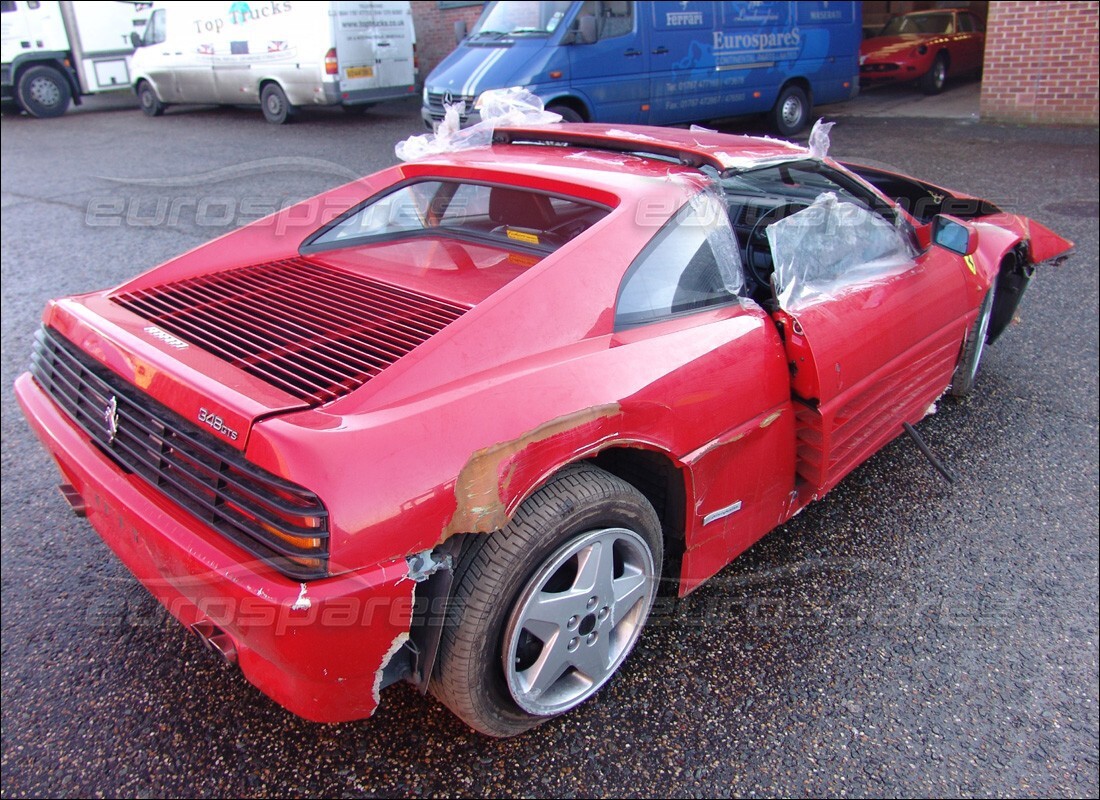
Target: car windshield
{"type": "Point", "coordinates": [508, 216]}
{"type": "Point", "coordinates": [918, 23]}
{"type": "Point", "coordinates": [523, 18]}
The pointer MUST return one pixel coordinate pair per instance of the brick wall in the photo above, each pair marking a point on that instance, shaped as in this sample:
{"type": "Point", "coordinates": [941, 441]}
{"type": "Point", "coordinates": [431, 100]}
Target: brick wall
{"type": "Point", "coordinates": [435, 30]}
{"type": "Point", "coordinates": [1042, 62]}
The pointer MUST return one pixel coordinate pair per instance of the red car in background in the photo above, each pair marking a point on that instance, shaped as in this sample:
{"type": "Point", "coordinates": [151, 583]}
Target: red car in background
{"type": "Point", "coordinates": [454, 422]}
{"type": "Point", "coordinates": [924, 46]}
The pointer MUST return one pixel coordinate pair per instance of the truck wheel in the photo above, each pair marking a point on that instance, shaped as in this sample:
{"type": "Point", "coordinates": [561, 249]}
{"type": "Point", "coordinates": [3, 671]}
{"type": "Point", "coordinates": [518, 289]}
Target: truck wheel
{"type": "Point", "coordinates": [151, 106]}
{"type": "Point", "coordinates": [43, 92]}
{"type": "Point", "coordinates": [277, 109]}
{"type": "Point", "coordinates": [545, 610]}
{"type": "Point", "coordinates": [567, 114]}
{"type": "Point", "coordinates": [966, 373]}
{"type": "Point", "coordinates": [791, 111]}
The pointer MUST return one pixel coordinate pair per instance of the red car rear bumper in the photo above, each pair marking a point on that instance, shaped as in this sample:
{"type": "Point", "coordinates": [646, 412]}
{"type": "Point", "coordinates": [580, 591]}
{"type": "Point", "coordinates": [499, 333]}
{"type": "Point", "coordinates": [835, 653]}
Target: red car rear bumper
{"type": "Point", "coordinates": [316, 648]}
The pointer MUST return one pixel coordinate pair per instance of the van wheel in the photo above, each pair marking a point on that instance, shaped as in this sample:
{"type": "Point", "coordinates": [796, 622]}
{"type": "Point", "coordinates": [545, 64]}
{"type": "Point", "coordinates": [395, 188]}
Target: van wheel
{"type": "Point", "coordinates": [545, 610]}
{"type": "Point", "coordinates": [791, 111]}
{"type": "Point", "coordinates": [44, 92]}
{"type": "Point", "coordinates": [567, 114]}
{"type": "Point", "coordinates": [151, 106]}
{"type": "Point", "coordinates": [277, 109]}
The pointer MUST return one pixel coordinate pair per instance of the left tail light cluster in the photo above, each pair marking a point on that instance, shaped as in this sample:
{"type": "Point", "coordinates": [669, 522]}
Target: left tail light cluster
{"type": "Point", "coordinates": [332, 67]}
{"type": "Point", "coordinates": [275, 520]}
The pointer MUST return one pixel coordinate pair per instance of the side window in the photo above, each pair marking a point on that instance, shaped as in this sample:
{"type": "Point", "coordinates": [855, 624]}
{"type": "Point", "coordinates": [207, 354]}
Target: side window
{"type": "Point", "coordinates": [966, 23]}
{"type": "Point", "coordinates": [976, 23]}
{"type": "Point", "coordinates": [692, 263]}
{"type": "Point", "coordinates": [154, 29]}
{"type": "Point", "coordinates": [613, 17]}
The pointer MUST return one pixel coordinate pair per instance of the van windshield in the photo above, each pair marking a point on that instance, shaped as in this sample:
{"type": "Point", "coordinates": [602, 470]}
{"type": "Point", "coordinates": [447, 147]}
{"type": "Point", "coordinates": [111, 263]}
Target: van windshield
{"type": "Point", "coordinates": [522, 18]}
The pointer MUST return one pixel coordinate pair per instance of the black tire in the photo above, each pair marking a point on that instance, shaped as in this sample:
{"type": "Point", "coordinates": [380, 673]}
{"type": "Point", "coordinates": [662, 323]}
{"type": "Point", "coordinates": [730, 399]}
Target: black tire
{"type": "Point", "coordinates": [43, 92]}
{"type": "Point", "coordinates": [567, 114]}
{"type": "Point", "coordinates": [966, 373]}
{"type": "Point", "coordinates": [932, 82]}
{"type": "Point", "coordinates": [487, 650]}
{"type": "Point", "coordinates": [277, 109]}
{"type": "Point", "coordinates": [791, 112]}
{"type": "Point", "coordinates": [151, 106]}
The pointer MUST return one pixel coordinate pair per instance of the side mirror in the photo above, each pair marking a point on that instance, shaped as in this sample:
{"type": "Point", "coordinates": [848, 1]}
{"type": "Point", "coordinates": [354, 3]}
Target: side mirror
{"type": "Point", "coordinates": [586, 29]}
{"type": "Point", "coordinates": [135, 39]}
{"type": "Point", "coordinates": [953, 235]}
{"type": "Point", "coordinates": [460, 30]}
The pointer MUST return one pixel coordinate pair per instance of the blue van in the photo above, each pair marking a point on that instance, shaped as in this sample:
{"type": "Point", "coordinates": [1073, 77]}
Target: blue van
{"type": "Point", "coordinates": [657, 63]}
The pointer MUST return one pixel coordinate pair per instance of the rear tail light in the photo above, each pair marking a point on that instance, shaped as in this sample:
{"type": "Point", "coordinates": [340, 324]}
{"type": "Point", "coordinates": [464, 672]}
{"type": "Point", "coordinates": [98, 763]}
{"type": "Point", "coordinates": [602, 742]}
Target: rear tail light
{"type": "Point", "coordinates": [331, 67]}
{"type": "Point", "coordinates": [416, 60]}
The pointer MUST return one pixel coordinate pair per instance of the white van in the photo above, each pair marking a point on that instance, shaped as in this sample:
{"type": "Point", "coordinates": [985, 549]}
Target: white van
{"type": "Point", "coordinates": [280, 55]}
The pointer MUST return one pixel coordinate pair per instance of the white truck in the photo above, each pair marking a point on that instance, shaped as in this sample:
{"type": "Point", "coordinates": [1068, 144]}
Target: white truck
{"type": "Point", "coordinates": [53, 53]}
{"type": "Point", "coordinates": [280, 55]}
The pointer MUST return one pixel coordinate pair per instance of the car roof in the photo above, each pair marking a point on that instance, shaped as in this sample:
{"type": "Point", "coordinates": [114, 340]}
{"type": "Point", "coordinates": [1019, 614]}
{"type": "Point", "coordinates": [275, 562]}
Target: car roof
{"type": "Point", "coordinates": [603, 151]}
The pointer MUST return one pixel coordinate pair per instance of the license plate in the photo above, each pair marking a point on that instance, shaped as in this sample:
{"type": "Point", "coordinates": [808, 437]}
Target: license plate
{"type": "Point", "coordinates": [359, 72]}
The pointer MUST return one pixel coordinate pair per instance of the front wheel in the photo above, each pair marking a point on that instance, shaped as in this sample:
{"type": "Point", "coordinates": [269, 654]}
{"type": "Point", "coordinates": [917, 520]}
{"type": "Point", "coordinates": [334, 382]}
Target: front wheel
{"type": "Point", "coordinates": [567, 114]}
{"type": "Point", "coordinates": [276, 107]}
{"type": "Point", "coordinates": [932, 82]}
{"type": "Point", "coordinates": [966, 373]}
{"type": "Point", "coordinates": [43, 92]}
{"type": "Point", "coordinates": [545, 610]}
{"type": "Point", "coordinates": [791, 111]}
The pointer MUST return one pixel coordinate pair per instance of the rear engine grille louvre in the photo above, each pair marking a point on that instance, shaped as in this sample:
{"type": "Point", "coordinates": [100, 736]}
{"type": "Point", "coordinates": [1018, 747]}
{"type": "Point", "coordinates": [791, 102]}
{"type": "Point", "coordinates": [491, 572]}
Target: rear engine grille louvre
{"type": "Point", "coordinates": [271, 518]}
{"type": "Point", "coordinates": [312, 331]}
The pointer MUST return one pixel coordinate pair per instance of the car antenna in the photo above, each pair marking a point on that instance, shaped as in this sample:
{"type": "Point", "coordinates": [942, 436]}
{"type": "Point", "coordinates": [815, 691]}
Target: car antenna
{"type": "Point", "coordinates": [942, 468]}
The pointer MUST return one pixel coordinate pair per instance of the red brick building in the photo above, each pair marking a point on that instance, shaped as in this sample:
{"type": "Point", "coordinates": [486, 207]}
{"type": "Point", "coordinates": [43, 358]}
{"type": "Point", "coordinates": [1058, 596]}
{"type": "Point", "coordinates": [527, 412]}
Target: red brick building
{"type": "Point", "coordinates": [1041, 62]}
{"type": "Point", "coordinates": [1042, 58]}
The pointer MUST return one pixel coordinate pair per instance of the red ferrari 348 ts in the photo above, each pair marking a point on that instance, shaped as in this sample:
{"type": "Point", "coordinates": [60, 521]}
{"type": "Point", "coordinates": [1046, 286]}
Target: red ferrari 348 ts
{"type": "Point", "coordinates": [454, 422]}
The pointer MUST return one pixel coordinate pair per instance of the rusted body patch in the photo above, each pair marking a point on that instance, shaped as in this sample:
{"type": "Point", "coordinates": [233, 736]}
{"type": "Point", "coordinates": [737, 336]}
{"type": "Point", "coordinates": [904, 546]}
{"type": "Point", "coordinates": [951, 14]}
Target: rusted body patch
{"type": "Point", "coordinates": [483, 487]}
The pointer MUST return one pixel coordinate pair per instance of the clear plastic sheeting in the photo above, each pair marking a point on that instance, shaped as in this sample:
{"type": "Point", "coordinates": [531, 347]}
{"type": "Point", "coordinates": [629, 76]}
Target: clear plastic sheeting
{"type": "Point", "coordinates": [831, 246]}
{"type": "Point", "coordinates": [819, 138]}
{"type": "Point", "coordinates": [499, 108]}
{"type": "Point", "coordinates": [710, 210]}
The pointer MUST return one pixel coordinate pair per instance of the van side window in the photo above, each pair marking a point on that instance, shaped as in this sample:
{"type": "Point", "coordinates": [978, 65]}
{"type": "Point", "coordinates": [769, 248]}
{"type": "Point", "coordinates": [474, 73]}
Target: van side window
{"type": "Point", "coordinates": [154, 30]}
{"type": "Point", "coordinates": [613, 17]}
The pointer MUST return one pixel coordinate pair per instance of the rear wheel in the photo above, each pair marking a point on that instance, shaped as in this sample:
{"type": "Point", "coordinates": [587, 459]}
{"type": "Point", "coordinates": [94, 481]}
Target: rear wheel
{"type": "Point", "coordinates": [791, 111]}
{"type": "Point", "coordinates": [43, 92]}
{"type": "Point", "coordinates": [151, 106]}
{"type": "Point", "coordinates": [966, 373]}
{"type": "Point", "coordinates": [545, 610]}
{"type": "Point", "coordinates": [277, 109]}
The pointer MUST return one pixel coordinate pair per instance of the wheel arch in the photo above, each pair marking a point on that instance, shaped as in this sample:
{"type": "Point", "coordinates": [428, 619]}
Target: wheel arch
{"type": "Point", "coordinates": [574, 102]}
{"type": "Point", "coordinates": [654, 472]}
{"type": "Point", "coordinates": [802, 83]}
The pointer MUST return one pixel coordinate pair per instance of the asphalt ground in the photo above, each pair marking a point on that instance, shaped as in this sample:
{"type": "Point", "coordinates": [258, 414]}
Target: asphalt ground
{"type": "Point", "coordinates": [901, 637]}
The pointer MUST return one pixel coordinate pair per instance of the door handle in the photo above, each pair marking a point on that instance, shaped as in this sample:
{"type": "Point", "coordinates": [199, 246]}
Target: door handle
{"type": "Point", "coordinates": [631, 53]}
{"type": "Point", "coordinates": [660, 51]}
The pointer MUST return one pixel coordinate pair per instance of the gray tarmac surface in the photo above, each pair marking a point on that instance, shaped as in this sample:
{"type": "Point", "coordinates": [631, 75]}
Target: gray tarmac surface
{"type": "Point", "coordinates": [901, 637]}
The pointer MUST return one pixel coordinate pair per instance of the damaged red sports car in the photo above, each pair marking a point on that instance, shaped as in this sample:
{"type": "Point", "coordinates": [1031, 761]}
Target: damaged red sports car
{"type": "Point", "coordinates": [455, 422]}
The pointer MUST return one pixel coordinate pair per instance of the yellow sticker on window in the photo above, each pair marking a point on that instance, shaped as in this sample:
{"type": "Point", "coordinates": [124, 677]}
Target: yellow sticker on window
{"type": "Point", "coordinates": [523, 236]}
{"type": "Point", "coordinates": [970, 263]}
{"type": "Point", "coordinates": [359, 72]}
